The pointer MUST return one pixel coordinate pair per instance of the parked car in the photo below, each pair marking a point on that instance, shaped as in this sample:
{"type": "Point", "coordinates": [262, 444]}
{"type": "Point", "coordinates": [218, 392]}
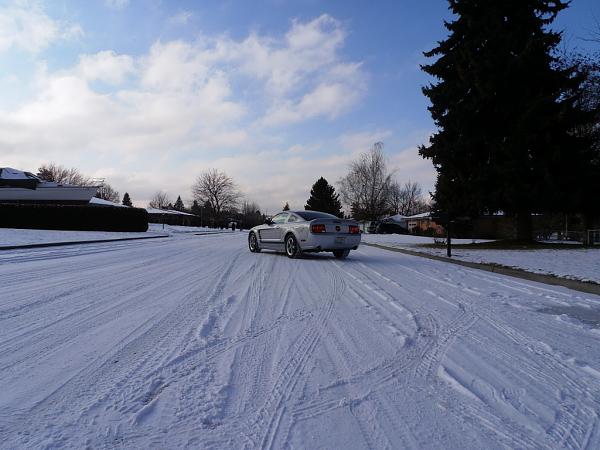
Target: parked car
{"type": "Point", "coordinates": [372, 228]}
{"type": "Point", "coordinates": [385, 227]}
{"type": "Point", "coordinates": [296, 232]}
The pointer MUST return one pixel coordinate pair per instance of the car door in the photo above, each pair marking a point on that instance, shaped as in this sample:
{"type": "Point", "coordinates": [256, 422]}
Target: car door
{"type": "Point", "coordinates": [273, 232]}
{"type": "Point", "coordinates": [298, 225]}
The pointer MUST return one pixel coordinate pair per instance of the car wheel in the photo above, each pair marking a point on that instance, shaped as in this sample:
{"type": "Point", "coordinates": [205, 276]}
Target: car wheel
{"type": "Point", "coordinates": [253, 243]}
{"type": "Point", "coordinates": [341, 254]}
{"type": "Point", "coordinates": [292, 250]}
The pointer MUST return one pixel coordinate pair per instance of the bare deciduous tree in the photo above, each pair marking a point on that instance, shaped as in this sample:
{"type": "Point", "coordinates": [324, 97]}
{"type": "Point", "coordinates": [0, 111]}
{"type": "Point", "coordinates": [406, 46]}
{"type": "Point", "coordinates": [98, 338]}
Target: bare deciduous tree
{"type": "Point", "coordinates": [160, 200]}
{"type": "Point", "coordinates": [406, 199]}
{"type": "Point", "coordinates": [366, 187]}
{"type": "Point", "coordinates": [395, 198]}
{"type": "Point", "coordinates": [216, 188]}
{"type": "Point", "coordinates": [60, 174]}
{"type": "Point", "coordinates": [106, 192]}
{"type": "Point", "coordinates": [251, 214]}
{"type": "Point", "coordinates": [249, 207]}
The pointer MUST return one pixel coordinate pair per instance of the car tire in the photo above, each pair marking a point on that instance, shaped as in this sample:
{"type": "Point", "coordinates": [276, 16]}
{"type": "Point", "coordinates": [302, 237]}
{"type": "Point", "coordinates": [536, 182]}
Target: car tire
{"type": "Point", "coordinates": [253, 243]}
{"type": "Point", "coordinates": [341, 254]}
{"type": "Point", "coordinates": [292, 249]}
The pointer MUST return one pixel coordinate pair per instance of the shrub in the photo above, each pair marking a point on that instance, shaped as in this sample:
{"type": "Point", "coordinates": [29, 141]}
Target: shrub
{"type": "Point", "coordinates": [81, 218]}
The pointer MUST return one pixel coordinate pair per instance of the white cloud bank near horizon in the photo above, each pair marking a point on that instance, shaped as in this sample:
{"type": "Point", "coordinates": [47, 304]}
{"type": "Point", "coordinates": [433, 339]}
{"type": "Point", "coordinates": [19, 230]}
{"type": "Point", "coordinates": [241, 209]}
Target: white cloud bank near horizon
{"type": "Point", "coordinates": [155, 121]}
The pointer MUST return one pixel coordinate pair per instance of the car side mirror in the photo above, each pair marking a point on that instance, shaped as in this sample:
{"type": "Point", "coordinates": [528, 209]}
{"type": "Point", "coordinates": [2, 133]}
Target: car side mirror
{"type": "Point", "coordinates": [268, 221]}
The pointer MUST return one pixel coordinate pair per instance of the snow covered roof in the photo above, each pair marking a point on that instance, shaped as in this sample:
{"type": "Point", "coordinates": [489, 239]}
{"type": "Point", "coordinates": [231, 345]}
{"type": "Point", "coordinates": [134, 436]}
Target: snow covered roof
{"type": "Point", "coordinates": [424, 215]}
{"type": "Point", "coordinates": [167, 211]}
{"type": "Point", "coordinates": [9, 173]}
{"type": "Point", "coordinates": [101, 202]}
{"type": "Point", "coordinates": [397, 218]}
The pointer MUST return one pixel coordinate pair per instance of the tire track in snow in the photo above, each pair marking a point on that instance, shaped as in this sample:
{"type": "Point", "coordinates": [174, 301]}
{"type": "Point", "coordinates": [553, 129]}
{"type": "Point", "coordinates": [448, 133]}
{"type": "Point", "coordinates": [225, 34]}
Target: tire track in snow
{"type": "Point", "coordinates": [72, 326]}
{"type": "Point", "coordinates": [433, 356]}
{"type": "Point", "coordinates": [433, 353]}
{"type": "Point", "coordinates": [136, 353]}
{"type": "Point", "coordinates": [575, 417]}
{"type": "Point", "coordinates": [405, 359]}
{"type": "Point", "coordinates": [572, 422]}
{"type": "Point", "coordinates": [263, 428]}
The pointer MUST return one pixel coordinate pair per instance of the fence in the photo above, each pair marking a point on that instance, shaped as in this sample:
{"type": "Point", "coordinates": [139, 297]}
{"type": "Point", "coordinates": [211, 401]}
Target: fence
{"type": "Point", "coordinates": [569, 237]}
{"type": "Point", "coordinates": [560, 236]}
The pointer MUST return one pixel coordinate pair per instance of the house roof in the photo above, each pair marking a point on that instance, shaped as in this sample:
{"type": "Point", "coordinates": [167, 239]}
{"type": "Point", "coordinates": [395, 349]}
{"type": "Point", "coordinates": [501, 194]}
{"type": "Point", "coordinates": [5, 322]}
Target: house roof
{"type": "Point", "coordinates": [397, 218]}
{"type": "Point", "coordinates": [101, 202]}
{"type": "Point", "coordinates": [167, 211]}
{"type": "Point", "coordinates": [424, 215]}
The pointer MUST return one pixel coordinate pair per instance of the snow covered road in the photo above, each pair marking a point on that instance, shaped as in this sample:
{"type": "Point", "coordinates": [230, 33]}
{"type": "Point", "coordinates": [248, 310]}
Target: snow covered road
{"type": "Point", "coordinates": [194, 342]}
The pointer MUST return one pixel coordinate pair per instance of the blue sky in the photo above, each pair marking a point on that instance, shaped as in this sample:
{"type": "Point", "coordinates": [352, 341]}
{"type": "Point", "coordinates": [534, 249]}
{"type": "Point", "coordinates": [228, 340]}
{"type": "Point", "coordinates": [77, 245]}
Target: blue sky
{"type": "Point", "coordinates": [276, 93]}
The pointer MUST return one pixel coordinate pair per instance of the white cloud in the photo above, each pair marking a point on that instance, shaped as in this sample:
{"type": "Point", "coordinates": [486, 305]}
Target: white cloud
{"type": "Point", "coordinates": [25, 25]}
{"type": "Point", "coordinates": [175, 65]}
{"type": "Point", "coordinates": [308, 48]}
{"type": "Point", "coordinates": [116, 4]}
{"type": "Point", "coordinates": [106, 66]}
{"type": "Point", "coordinates": [304, 74]}
{"type": "Point", "coordinates": [181, 18]}
{"type": "Point", "coordinates": [72, 32]}
{"type": "Point", "coordinates": [361, 142]}
{"type": "Point", "coordinates": [177, 110]}
{"type": "Point", "coordinates": [327, 100]}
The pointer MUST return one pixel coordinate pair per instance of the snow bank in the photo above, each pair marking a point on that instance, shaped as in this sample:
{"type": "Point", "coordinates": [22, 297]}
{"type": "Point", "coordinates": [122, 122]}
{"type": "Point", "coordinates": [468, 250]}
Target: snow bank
{"type": "Point", "coordinates": [573, 263]}
{"type": "Point", "coordinates": [15, 236]}
{"type": "Point", "coordinates": [180, 229]}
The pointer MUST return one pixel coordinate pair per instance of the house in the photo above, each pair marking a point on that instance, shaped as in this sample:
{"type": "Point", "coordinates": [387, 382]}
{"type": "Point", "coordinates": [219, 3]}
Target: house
{"type": "Point", "coordinates": [172, 217]}
{"type": "Point", "coordinates": [424, 224]}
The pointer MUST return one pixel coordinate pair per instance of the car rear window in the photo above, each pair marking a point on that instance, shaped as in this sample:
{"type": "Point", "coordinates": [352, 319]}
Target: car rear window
{"type": "Point", "coordinates": [310, 215]}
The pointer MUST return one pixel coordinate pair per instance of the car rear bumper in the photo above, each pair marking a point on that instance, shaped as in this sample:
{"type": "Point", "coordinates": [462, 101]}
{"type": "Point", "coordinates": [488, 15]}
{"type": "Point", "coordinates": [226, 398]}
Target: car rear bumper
{"type": "Point", "coordinates": [328, 242]}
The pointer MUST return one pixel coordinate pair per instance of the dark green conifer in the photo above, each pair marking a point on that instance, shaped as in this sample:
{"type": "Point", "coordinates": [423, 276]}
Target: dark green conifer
{"type": "Point", "coordinates": [324, 198]}
{"type": "Point", "coordinates": [504, 116]}
{"type": "Point", "coordinates": [127, 200]}
{"type": "Point", "coordinates": [179, 206]}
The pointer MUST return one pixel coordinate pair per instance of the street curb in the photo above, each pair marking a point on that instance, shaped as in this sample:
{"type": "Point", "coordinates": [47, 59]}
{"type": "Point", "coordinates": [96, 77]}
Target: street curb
{"type": "Point", "coordinates": [208, 233]}
{"type": "Point", "coordinates": [581, 286]}
{"type": "Point", "coordinates": [62, 244]}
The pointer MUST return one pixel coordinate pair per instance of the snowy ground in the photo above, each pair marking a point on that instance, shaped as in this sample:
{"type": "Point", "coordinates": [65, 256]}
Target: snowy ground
{"type": "Point", "coordinates": [194, 342]}
{"type": "Point", "coordinates": [14, 236]}
{"type": "Point", "coordinates": [574, 263]}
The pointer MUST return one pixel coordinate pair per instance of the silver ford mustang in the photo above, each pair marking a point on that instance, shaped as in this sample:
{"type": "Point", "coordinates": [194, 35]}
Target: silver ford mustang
{"type": "Point", "coordinates": [295, 232]}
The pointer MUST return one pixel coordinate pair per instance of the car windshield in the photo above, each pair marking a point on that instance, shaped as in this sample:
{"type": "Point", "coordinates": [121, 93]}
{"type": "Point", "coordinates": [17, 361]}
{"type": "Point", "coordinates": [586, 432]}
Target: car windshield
{"type": "Point", "coordinates": [310, 215]}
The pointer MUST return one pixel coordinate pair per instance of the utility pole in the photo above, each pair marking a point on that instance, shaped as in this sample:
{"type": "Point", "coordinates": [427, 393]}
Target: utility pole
{"type": "Point", "coordinates": [448, 240]}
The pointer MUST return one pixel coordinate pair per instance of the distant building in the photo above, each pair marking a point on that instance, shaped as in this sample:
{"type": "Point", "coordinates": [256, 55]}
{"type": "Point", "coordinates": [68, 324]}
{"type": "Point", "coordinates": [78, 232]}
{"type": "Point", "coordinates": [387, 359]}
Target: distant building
{"type": "Point", "coordinates": [423, 223]}
{"type": "Point", "coordinates": [172, 217]}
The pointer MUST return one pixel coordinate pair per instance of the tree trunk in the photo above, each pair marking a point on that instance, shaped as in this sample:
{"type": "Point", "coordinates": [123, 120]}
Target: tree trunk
{"type": "Point", "coordinates": [524, 228]}
{"type": "Point", "coordinates": [587, 225]}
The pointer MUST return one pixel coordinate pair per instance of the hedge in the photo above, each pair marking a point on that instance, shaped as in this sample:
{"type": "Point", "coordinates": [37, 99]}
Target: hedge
{"type": "Point", "coordinates": [81, 218]}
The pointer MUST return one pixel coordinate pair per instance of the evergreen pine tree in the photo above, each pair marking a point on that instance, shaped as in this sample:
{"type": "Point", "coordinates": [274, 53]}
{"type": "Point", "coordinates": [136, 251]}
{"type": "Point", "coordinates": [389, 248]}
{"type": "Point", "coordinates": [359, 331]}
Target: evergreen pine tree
{"type": "Point", "coordinates": [208, 213]}
{"type": "Point", "coordinates": [504, 140]}
{"type": "Point", "coordinates": [286, 207]}
{"type": "Point", "coordinates": [195, 209]}
{"type": "Point", "coordinates": [127, 200]}
{"type": "Point", "coordinates": [179, 206]}
{"type": "Point", "coordinates": [324, 198]}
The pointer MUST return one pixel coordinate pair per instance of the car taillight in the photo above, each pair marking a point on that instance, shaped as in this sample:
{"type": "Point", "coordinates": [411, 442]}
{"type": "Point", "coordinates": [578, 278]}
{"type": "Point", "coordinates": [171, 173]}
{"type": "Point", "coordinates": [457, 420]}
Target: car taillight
{"type": "Point", "coordinates": [353, 229]}
{"type": "Point", "coordinates": [317, 228]}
